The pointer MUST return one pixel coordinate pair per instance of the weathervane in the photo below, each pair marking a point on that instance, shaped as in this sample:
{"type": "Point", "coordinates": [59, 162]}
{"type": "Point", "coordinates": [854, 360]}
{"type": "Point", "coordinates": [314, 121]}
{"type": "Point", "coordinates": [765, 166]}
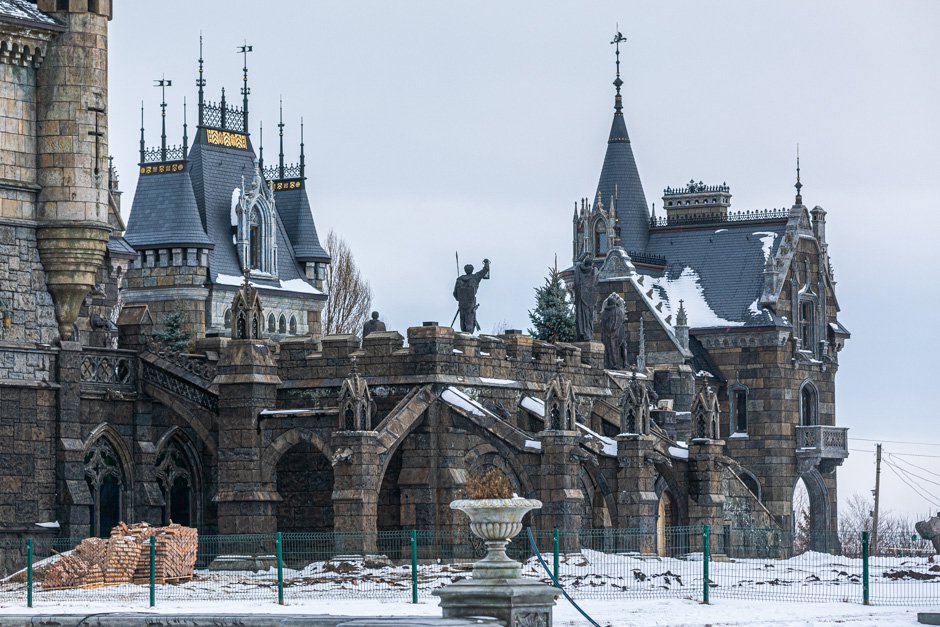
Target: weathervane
{"type": "Point", "coordinates": [618, 105]}
{"type": "Point", "coordinates": [799, 185]}
{"type": "Point", "coordinates": [243, 50]}
{"type": "Point", "coordinates": [163, 82]}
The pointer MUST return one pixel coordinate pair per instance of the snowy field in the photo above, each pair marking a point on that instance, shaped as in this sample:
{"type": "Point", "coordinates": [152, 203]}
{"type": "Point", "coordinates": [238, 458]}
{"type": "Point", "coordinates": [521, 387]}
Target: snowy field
{"type": "Point", "coordinates": [809, 589]}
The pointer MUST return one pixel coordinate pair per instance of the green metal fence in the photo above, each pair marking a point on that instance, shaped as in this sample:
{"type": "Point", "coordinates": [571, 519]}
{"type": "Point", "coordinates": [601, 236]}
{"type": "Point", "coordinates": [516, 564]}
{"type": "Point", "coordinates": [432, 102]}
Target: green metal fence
{"type": "Point", "coordinates": [703, 564]}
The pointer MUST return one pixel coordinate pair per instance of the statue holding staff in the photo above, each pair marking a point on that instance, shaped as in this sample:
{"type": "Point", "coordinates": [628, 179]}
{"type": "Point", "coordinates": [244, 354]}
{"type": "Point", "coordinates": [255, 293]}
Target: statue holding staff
{"type": "Point", "coordinates": [465, 293]}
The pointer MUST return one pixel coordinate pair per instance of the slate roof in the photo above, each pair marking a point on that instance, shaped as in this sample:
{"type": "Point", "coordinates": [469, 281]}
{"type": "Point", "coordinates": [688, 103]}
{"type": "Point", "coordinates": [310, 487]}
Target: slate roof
{"type": "Point", "coordinates": [165, 213]}
{"type": "Point", "coordinates": [294, 209]}
{"type": "Point", "coordinates": [717, 269]}
{"type": "Point", "coordinates": [216, 172]}
{"type": "Point", "coordinates": [25, 11]}
{"type": "Point", "coordinates": [119, 246]}
{"type": "Point", "coordinates": [619, 174]}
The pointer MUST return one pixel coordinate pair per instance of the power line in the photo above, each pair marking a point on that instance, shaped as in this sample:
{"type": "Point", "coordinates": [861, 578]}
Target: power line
{"type": "Point", "coordinates": [932, 501]}
{"type": "Point", "coordinates": [859, 450]}
{"type": "Point", "coordinates": [913, 474]}
{"type": "Point", "coordinates": [921, 468]}
{"type": "Point", "coordinates": [895, 441]}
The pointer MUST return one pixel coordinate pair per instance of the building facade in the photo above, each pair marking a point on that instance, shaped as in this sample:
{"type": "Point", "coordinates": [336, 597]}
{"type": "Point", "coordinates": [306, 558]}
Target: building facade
{"type": "Point", "coordinates": [263, 424]}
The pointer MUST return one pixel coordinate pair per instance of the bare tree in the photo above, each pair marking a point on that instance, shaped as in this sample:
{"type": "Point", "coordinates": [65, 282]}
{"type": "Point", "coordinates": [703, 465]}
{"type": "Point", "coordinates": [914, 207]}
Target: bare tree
{"type": "Point", "coordinates": [350, 296]}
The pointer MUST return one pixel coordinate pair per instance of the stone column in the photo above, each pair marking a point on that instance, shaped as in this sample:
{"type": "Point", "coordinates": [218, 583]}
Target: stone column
{"type": "Point", "coordinates": [72, 124]}
{"type": "Point", "coordinates": [247, 380]}
{"type": "Point", "coordinates": [636, 493]}
{"type": "Point", "coordinates": [560, 493]}
{"type": "Point", "coordinates": [355, 491]}
{"type": "Point", "coordinates": [707, 497]}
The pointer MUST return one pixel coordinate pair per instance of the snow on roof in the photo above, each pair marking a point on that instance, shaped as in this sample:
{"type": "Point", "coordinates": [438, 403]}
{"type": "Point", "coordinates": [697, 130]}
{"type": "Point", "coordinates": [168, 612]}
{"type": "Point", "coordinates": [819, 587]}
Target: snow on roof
{"type": "Point", "coordinates": [609, 446]}
{"type": "Point", "coordinates": [678, 453]}
{"type": "Point", "coordinates": [533, 444]}
{"type": "Point", "coordinates": [490, 381]}
{"type": "Point", "coordinates": [767, 242]}
{"type": "Point", "coordinates": [534, 405]}
{"type": "Point", "coordinates": [298, 286]}
{"type": "Point", "coordinates": [688, 288]}
{"type": "Point", "coordinates": [21, 10]}
{"type": "Point", "coordinates": [455, 398]}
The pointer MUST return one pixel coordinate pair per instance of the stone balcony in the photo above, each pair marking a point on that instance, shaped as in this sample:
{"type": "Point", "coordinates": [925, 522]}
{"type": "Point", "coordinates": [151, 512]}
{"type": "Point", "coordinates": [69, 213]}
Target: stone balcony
{"type": "Point", "coordinates": [821, 447]}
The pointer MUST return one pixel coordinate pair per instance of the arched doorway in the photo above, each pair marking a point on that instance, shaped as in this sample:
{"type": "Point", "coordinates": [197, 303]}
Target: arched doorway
{"type": "Point", "coordinates": [812, 514]}
{"type": "Point", "coordinates": [809, 414]}
{"type": "Point", "coordinates": [304, 479]}
{"type": "Point", "coordinates": [665, 521]}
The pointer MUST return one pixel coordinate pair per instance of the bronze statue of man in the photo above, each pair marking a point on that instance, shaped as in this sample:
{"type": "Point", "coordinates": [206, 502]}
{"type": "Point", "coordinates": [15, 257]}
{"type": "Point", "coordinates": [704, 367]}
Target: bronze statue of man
{"type": "Point", "coordinates": [465, 293]}
{"type": "Point", "coordinates": [613, 333]}
{"type": "Point", "coordinates": [585, 296]}
{"type": "Point", "coordinates": [373, 326]}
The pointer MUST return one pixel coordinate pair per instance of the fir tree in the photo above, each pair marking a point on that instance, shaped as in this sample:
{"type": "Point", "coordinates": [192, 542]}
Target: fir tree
{"type": "Point", "coordinates": [173, 337]}
{"type": "Point", "coordinates": [553, 316]}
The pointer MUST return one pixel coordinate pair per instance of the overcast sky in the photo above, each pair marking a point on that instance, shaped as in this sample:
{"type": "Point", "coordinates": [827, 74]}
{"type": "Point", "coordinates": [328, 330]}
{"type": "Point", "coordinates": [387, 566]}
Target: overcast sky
{"type": "Point", "coordinates": [435, 127]}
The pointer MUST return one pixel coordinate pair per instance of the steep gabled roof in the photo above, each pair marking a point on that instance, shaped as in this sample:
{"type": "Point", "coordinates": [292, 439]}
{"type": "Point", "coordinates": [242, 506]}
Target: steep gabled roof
{"type": "Point", "coordinates": [27, 13]}
{"type": "Point", "coordinates": [294, 209]}
{"type": "Point", "coordinates": [717, 270]}
{"type": "Point", "coordinates": [165, 213]}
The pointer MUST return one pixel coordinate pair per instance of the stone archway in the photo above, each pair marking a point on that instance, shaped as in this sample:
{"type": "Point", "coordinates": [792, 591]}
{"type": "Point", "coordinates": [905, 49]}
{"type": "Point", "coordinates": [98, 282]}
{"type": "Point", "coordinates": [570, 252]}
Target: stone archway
{"type": "Point", "coordinates": [303, 477]}
{"type": "Point", "coordinates": [821, 537]}
{"type": "Point", "coordinates": [665, 521]}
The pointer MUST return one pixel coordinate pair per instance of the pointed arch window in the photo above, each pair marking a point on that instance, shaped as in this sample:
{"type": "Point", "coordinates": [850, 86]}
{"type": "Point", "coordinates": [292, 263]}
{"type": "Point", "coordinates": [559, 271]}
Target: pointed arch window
{"type": "Point", "coordinates": [601, 243]}
{"type": "Point", "coordinates": [272, 324]}
{"type": "Point", "coordinates": [809, 405]}
{"type": "Point", "coordinates": [282, 324]}
{"type": "Point", "coordinates": [227, 318]}
{"type": "Point", "coordinates": [737, 396]}
{"type": "Point", "coordinates": [104, 475]}
{"type": "Point", "coordinates": [292, 325]}
{"type": "Point", "coordinates": [177, 484]}
{"type": "Point", "coordinates": [256, 227]}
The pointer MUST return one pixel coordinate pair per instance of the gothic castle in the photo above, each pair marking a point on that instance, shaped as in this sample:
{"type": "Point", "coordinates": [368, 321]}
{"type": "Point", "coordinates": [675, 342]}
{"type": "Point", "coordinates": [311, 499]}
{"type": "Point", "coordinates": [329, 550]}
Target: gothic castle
{"type": "Point", "coordinates": [726, 400]}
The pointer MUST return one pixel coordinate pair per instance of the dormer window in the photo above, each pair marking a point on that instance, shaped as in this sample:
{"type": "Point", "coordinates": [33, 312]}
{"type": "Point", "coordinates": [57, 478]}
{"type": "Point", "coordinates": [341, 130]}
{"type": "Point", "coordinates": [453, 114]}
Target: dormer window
{"type": "Point", "coordinates": [255, 227]}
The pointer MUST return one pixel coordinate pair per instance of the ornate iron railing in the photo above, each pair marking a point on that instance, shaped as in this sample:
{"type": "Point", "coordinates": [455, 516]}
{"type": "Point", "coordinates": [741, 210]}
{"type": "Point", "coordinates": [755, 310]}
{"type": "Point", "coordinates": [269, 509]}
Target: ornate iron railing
{"type": "Point", "coordinates": [109, 368]}
{"type": "Point", "coordinates": [156, 155]}
{"type": "Point", "coordinates": [695, 188]}
{"type": "Point", "coordinates": [153, 374]}
{"type": "Point", "coordinates": [647, 258]}
{"type": "Point", "coordinates": [291, 171]}
{"type": "Point", "coordinates": [223, 117]}
{"type": "Point", "coordinates": [758, 215]}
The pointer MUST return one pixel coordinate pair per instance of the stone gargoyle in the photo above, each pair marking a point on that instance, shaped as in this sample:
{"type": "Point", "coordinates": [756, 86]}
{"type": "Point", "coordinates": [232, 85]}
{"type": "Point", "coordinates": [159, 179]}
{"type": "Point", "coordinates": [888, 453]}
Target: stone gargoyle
{"type": "Point", "coordinates": [930, 530]}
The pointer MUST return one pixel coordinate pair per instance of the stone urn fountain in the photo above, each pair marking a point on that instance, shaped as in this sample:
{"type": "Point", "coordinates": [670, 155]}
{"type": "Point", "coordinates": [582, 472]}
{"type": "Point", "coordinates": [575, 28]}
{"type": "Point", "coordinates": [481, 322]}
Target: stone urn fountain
{"type": "Point", "coordinates": [497, 588]}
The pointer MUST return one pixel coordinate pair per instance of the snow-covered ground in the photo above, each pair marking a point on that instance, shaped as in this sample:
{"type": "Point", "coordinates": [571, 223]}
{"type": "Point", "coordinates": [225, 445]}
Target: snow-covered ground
{"type": "Point", "coordinates": [812, 588]}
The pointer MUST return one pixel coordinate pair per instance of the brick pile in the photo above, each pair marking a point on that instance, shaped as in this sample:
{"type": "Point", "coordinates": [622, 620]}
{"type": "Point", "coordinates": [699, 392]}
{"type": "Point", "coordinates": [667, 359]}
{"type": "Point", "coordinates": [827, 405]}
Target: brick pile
{"type": "Point", "coordinates": [125, 558]}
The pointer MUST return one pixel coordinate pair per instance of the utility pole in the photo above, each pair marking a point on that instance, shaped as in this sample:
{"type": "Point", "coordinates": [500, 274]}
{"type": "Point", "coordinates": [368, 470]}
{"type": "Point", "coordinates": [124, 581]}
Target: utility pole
{"type": "Point", "coordinates": [874, 522]}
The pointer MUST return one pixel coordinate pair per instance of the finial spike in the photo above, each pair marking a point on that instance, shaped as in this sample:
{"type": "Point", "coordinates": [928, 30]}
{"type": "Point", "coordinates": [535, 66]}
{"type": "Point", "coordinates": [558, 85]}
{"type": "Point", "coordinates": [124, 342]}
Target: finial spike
{"type": "Point", "coordinates": [799, 185]}
{"type": "Point", "coordinates": [261, 145]}
{"type": "Point", "coordinates": [243, 50]}
{"type": "Point", "coordinates": [163, 83]}
{"type": "Point", "coordinates": [280, 126]}
{"type": "Point", "coordinates": [200, 82]}
{"type": "Point", "coordinates": [185, 131]}
{"type": "Point", "coordinates": [142, 147]}
{"type": "Point", "coordinates": [302, 175]}
{"type": "Point", "coordinates": [618, 101]}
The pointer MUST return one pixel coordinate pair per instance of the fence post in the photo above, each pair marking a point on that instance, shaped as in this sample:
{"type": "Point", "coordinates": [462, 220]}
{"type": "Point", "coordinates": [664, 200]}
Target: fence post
{"type": "Point", "coordinates": [29, 572]}
{"type": "Point", "coordinates": [280, 568]}
{"type": "Point", "coordinates": [555, 553]}
{"type": "Point", "coordinates": [153, 569]}
{"type": "Point", "coordinates": [414, 566]}
{"type": "Point", "coordinates": [706, 549]}
{"type": "Point", "coordinates": [866, 598]}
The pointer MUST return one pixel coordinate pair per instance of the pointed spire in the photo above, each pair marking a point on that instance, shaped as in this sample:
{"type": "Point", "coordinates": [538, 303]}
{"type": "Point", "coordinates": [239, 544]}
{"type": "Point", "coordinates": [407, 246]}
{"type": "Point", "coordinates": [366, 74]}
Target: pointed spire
{"type": "Point", "coordinates": [799, 185]}
{"type": "Point", "coordinates": [618, 101]}
{"type": "Point", "coordinates": [185, 131]}
{"type": "Point", "coordinates": [261, 145]}
{"type": "Point", "coordinates": [303, 176]}
{"type": "Point", "coordinates": [142, 147]}
{"type": "Point", "coordinates": [163, 83]}
{"type": "Point", "coordinates": [280, 127]}
{"type": "Point", "coordinates": [200, 83]}
{"type": "Point", "coordinates": [243, 50]}
{"type": "Point", "coordinates": [681, 317]}
{"type": "Point", "coordinates": [223, 110]}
